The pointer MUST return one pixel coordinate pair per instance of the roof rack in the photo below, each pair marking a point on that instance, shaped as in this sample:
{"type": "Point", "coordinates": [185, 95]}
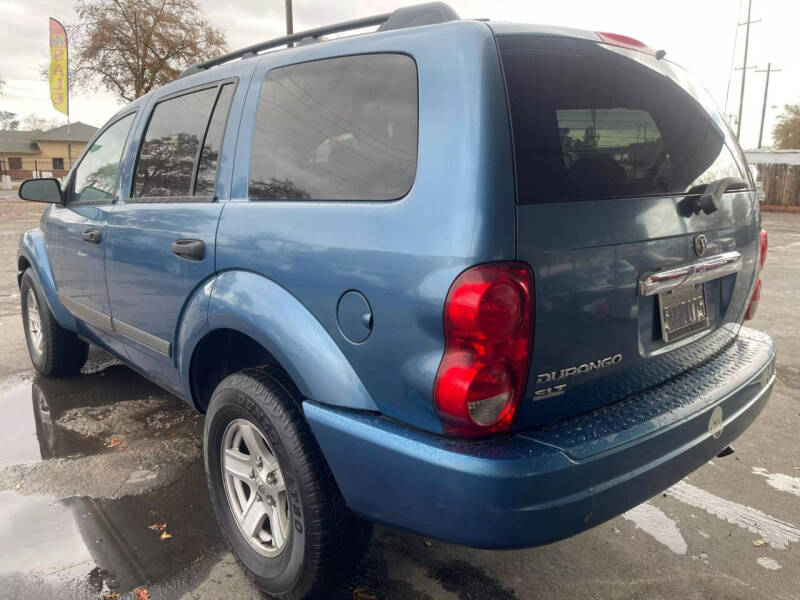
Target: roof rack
{"type": "Point", "coordinates": [409, 16]}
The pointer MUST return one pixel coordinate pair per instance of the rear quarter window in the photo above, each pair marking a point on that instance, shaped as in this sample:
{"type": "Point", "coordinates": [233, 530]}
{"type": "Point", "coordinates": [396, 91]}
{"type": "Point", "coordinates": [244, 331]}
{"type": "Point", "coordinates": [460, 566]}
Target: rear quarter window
{"type": "Point", "coordinates": [337, 129]}
{"type": "Point", "coordinates": [589, 123]}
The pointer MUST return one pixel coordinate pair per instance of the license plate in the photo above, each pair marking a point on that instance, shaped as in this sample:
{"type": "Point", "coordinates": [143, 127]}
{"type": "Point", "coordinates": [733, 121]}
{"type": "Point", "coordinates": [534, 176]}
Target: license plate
{"type": "Point", "coordinates": [683, 312]}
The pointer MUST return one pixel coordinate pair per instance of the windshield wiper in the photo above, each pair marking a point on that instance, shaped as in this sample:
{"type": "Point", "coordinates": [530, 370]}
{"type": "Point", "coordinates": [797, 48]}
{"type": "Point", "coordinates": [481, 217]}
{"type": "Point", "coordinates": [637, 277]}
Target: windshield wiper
{"type": "Point", "coordinates": [709, 200]}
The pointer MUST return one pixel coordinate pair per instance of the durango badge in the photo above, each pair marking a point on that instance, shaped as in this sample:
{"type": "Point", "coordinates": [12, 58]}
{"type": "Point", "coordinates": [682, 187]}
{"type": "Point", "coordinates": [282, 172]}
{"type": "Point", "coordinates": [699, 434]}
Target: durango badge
{"type": "Point", "coordinates": [559, 389]}
{"type": "Point", "coordinates": [580, 369]}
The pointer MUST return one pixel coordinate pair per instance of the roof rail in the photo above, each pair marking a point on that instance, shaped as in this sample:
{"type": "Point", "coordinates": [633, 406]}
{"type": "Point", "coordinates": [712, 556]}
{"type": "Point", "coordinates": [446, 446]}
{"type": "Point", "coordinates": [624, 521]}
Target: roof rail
{"type": "Point", "coordinates": [428, 13]}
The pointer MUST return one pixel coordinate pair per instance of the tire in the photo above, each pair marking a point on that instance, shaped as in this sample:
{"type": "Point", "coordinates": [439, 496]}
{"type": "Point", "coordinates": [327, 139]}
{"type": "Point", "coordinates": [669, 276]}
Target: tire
{"type": "Point", "coordinates": [326, 540]}
{"type": "Point", "coordinates": [53, 350]}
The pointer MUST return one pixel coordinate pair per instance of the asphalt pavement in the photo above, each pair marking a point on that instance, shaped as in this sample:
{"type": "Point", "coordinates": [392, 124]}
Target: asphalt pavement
{"type": "Point", "coordinates": [89, 463]}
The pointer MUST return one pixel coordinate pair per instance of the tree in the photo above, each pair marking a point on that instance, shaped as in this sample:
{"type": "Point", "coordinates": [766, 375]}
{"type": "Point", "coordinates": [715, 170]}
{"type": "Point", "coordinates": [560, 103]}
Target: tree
{"type": "Point", "coordinates": [32, 122]}
{"type": "Point", "coordinates": [8, 120]}
{"type": "Point", "coordinates": [787, 130]}
{"type": "Point", "coordinates": [130, 47]}
{"type": "Point", "coordinates": [2, 85]}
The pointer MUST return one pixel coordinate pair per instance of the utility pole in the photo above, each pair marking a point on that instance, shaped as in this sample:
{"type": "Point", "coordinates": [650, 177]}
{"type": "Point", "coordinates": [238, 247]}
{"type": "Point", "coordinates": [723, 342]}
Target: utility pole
{"type": "Point", "coordinates": [744, 65]}
{"type": "Point", "coordinates": [768, 70]}
{"type": "Point", "coordinates": [289, 20]}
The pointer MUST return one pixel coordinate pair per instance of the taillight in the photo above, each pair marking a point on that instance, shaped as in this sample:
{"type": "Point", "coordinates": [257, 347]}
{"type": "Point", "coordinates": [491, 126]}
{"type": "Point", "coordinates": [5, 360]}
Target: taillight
{"type": "Point", "coordinates": [762, 258]}
{"type": "Point", "coordinates": [624, 41]}
{"type": "Point", "coordinates": [488, 318]}
{"type": "Point", "coordinates": [754, 299]}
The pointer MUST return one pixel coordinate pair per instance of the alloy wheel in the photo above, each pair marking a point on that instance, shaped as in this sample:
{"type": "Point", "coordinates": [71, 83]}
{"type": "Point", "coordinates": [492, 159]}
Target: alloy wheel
{"type": "Point", "coordinates": [255, 488]}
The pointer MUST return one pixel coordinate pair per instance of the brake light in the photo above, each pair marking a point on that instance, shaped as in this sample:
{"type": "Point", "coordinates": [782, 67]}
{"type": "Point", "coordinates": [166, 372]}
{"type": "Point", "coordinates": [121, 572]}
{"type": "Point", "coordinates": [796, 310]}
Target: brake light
{"type": "Point", "coordinates": [624, 41]}
{"type": "Point", "coordinates": [762, 258]}
{"type": "Point", "coordinates": [754, 299]}
{"type": "Point", "coordinates": [488, 318]}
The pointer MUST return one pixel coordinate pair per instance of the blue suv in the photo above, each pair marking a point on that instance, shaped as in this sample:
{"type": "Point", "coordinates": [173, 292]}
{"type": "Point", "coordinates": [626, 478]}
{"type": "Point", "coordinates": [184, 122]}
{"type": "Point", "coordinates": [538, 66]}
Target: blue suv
{"type": "Point", "coordinates": [480, 281]}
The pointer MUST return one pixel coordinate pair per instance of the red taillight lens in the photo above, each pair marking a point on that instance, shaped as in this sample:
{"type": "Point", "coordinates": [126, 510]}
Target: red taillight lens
{"type": "Point", "coordinates": [753, 306]}
{"type": "Point", "coordinates": [624, 41]}
{"type": "Point", "coordinates": [762, 258]}
{"type": "Point", "coordinates": [488, 318]}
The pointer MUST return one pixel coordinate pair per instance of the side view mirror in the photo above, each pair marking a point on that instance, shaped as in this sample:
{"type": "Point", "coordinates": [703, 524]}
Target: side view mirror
{"type": "Point", "coordinates": [41, 190]}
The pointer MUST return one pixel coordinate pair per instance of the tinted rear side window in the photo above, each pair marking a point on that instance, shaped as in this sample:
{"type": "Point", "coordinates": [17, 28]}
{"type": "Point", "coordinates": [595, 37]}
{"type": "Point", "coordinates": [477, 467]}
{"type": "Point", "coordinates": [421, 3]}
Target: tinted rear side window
{"type": "Point", "coordinates": [589, 123]}
{"type": "Point", "coordinates": [169, 156]}
{"type": "Point", "coordinates": [209, 157]}
{"type": "Point", "coordinates": [337, 129]}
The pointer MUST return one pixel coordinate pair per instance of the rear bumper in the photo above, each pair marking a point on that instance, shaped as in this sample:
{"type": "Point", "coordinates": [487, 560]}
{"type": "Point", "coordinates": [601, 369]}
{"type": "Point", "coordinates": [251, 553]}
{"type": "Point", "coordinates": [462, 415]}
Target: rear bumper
{"type": "Point", "coordinates": [546, 484]}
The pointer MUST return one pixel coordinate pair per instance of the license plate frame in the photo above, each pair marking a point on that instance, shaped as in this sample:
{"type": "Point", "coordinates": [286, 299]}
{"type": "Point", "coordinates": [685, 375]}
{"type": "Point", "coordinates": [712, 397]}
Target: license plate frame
{"type": "Point", "coordinates": [683, 312]}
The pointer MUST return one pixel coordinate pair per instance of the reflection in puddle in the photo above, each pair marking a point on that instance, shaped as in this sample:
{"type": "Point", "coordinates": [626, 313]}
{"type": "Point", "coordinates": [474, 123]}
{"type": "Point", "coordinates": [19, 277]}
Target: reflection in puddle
{"type": "Point", "coordinates": [107, 544]}
{"type": "Point", "coordinates": [92, 545]}
{"type": "Point", "coordinates": [40, 531]}
{"type": "Point", "coordinates": [18, 442]}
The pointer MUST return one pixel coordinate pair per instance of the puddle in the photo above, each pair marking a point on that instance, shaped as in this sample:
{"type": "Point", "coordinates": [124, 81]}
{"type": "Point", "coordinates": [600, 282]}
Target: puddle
{"type": "Point", "coordinates": [19, 442]}
{"type": "Point", "coordinates": [95, 545]}
{"type": "Point", "coordinates": [39, 531]}
{"type": "Point", "coordinates": [76, 416]}
{"type": "Point", "coordinates": [87, 463]}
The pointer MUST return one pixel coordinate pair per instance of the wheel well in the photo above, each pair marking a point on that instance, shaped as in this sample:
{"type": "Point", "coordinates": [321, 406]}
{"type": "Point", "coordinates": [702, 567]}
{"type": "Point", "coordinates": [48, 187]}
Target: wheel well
{"type": "Point", "coordinates": [22, 266]}
{"type": "Point", "coordinates": [225, 351]}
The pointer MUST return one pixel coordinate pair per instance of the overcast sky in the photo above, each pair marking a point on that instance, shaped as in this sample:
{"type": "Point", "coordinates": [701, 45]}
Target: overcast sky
{"type": "Point", "coordinates": [698, 34]}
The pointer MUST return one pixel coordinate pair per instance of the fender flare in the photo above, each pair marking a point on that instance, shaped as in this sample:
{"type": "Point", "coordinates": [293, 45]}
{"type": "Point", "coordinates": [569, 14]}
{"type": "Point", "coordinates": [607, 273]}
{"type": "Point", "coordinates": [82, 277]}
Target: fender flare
{"type": "Point", "coordinates": [33, 248]}
{"type": "Point", "coordinates": [261, 309]}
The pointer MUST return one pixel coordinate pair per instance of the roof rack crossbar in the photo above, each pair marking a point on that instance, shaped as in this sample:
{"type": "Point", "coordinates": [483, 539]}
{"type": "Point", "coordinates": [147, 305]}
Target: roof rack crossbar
{"type": "Point", "coordinates": [288, 39]}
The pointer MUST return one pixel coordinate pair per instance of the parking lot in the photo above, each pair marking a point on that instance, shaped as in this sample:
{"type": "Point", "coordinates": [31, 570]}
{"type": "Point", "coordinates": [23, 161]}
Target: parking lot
{"type": "Point", "coordinates": [88, 464]}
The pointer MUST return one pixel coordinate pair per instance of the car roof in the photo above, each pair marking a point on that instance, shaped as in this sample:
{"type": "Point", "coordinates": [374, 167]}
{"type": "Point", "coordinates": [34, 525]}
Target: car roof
{"type": "Point", "coordinates": [503, 28]}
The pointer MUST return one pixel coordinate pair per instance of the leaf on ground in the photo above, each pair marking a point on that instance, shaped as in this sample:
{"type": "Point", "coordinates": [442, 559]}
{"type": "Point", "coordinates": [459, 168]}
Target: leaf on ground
{"type": "Point", "coordinates": [142, 594]}
{"type": "Point", "coordinates": [760, 543]}
{"type": "Point", "coordinates": [363, 594]}
{"type": "Point", "coordinates": [157, 526]}
{"type": "Point", "coordinates": [164, 536]}
{"type": "Point", "coordinates": [109, 595]}
{"type": "Point", "coordinates": [114, 442]}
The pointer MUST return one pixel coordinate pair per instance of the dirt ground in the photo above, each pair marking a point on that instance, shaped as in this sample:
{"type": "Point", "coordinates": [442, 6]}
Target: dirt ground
{"type": "Point", "coordinates": [88, 463]}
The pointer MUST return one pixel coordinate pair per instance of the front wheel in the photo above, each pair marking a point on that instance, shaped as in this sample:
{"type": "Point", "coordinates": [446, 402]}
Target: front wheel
{"type": "Point", "coordinates": [273, 494]}
{"type": "Point", "coordinates": [53, 349]}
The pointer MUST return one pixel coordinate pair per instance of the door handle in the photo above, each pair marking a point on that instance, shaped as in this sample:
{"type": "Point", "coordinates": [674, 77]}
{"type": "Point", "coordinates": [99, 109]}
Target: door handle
{"type": "Point", "coordinates": [93, 236]}
{"type": "Point", "coordinates": [189, 249]}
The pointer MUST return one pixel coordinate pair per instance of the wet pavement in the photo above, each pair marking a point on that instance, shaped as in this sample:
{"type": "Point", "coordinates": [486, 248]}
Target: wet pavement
{"type": "Point", "coordinates": [89, 463]}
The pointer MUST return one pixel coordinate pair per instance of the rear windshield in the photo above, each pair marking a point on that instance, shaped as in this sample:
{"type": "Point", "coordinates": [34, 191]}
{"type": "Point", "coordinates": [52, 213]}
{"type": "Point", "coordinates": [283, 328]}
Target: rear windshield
{"type": "Point", "coordinates": [592, 123]}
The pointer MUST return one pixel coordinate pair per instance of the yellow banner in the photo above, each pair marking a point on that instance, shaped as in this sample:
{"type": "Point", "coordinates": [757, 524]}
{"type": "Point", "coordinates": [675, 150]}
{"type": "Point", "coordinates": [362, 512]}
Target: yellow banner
{"type": "Point", "coordinates": [59, 87]}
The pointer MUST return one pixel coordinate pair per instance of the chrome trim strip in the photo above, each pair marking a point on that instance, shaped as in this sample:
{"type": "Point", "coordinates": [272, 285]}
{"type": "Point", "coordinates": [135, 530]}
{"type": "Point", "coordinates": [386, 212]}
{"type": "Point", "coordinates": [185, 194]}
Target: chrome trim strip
{"type": "Point", "coordinates": [142, 337]}
{"type": "Point", "coordinates": [701, 271]}
{"type": "Point", "coordinates": [92, 317]}
{"type": "Point", "coordinates": [100, 320]}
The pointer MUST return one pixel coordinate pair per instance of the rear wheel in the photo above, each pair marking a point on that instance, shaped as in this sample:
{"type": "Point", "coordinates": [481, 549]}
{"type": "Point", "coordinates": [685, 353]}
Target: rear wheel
{"type": "Point", "coordinates": [53, 349]}
{"type": "Point", "coordinates": [273, 494]}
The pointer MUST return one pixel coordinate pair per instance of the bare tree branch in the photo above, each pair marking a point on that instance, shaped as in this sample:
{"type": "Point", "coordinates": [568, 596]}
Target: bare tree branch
{"type": "Point", "coordinates": [130, 47]}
